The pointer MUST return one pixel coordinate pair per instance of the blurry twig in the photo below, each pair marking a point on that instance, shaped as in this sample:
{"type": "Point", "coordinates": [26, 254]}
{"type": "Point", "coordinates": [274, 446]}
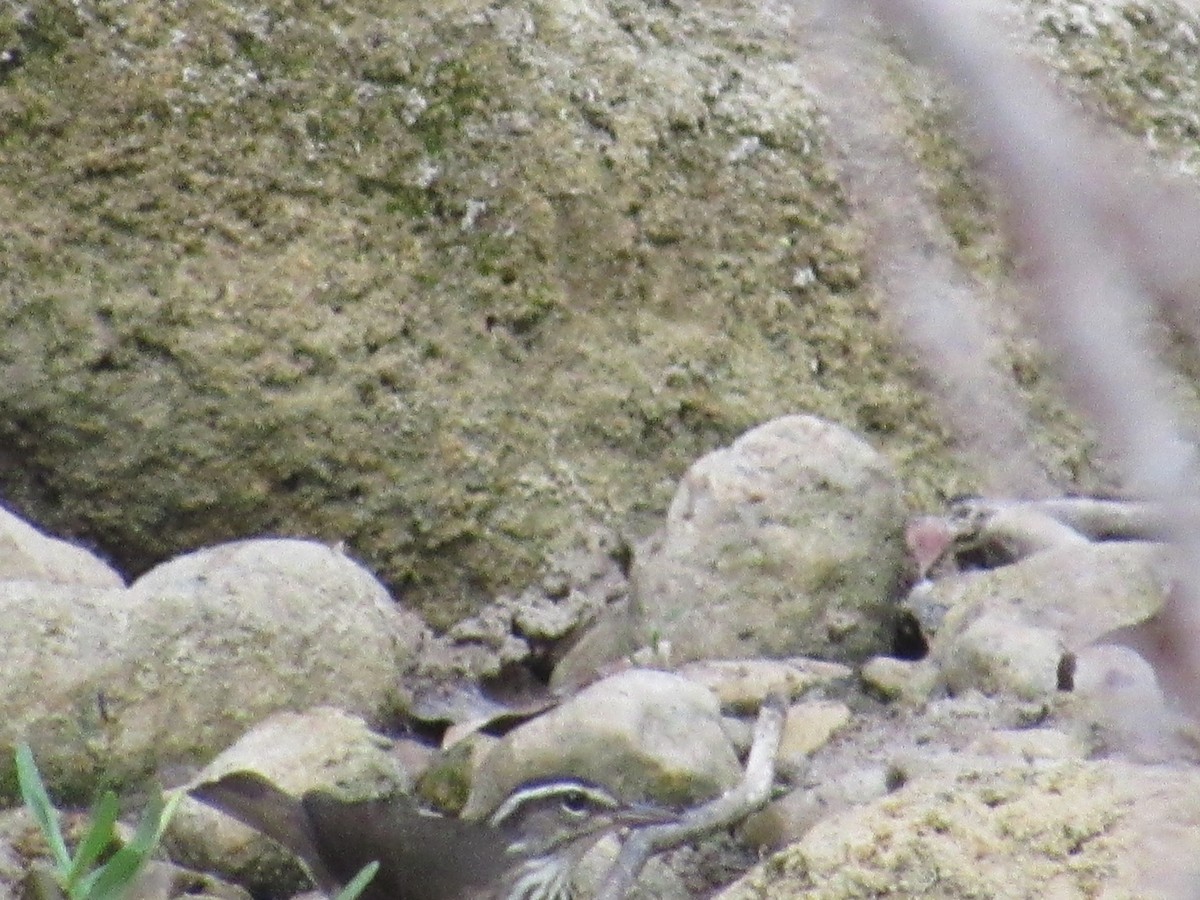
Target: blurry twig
{"type": "Point", "coordinates": [944, 313]}
{"type": "Point", "coordinates": [1093, 271]}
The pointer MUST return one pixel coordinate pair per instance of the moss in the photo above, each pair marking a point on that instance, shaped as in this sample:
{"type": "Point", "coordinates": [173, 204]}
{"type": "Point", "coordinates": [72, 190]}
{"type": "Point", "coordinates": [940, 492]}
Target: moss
{"type": "Point", "coordinates": [1137, 61]}
{"type": "Point", "coordinates": [967, 204]}
{"type": "Point", "coordinates": [446, 783]}
{"type": "Point", "coordinates": [380, 277]}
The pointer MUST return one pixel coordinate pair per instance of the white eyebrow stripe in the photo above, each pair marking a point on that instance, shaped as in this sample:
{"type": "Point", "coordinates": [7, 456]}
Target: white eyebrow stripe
{"type": "Point", "coordinates": [551, 789]}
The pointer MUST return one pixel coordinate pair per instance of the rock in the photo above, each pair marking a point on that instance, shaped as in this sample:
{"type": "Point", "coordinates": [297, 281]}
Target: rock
{"type": "Point", "coordinates": [325, 748]}
{"type": "Point", "coordinates": [808, 727]}
{"type": "Point", "coordinates": [1008, 628]}
{"type": "Point", "coordinates": [1107, 673]}
{"type": "Point", "coordinates": [413, 755]}
{"type": "Point", "coordinates": [1081, 590]}
{"type": "Point", "coordinates": [1029, 744]}
{"type": "Point", "coordinates": [26, 554]}
{"type": "Point", "coordinates": [790, 541]}
{"type": "Point", "coordinates": [242, 371]}
{"type": "Point", "coordinates": [320, 748]}
{"type": "Point", "coordinates": [642, 734]}
{"type": "Point", "coordinates": [445, 783]}
{"type": "Point", "coordinates": [786, 820]}
{"type": "Point", "coordinates": [608, 645]}
{"type": "Point", "coordinates": [998, 653]}
{"type": "Point", "coordinates": [1117, 704]}
{"type": "Point", "coordinates": [228, 635]}
{"type": "Point", "coordinates": [1050, 829]}
{"type": "Point", "coordinates": [741, 685]}
{"type": "Point", "coordinates": [114, 684]}
{"type": "Point", "coordinates": [910, 681]}
{"type": "Point", "coordinates": [61, 643]}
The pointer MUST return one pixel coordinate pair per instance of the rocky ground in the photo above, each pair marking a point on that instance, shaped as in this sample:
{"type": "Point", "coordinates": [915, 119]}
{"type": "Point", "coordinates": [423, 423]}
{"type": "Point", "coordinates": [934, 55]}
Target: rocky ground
{"type": "Point", "coordinates": [448, 397]}
{"type": "Point", "coordinates": [989, 729]}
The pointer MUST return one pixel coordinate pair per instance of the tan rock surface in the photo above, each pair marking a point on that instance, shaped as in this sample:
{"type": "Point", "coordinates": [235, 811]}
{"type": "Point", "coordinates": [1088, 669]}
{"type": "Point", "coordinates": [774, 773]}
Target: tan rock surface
{"type": "Point", "coordinates": [642, 734]}
{"type": "Point", "coordinates": [787, 542]}
{"type": "Point", "coordinates": [1064, 830]}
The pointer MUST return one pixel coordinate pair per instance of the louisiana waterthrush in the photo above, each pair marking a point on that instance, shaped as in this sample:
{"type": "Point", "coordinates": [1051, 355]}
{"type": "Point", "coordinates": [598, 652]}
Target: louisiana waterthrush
{"type": "Point", "coordinates": [527, 849]}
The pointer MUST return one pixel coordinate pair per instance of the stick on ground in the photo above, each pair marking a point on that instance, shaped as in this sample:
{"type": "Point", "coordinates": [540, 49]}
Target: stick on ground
{"type": "Point", "coordinates": [748, 796]}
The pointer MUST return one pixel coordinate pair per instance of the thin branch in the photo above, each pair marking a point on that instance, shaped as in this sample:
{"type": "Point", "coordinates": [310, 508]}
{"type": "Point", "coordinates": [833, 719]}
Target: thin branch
{"type": "Point", "coordinates": [748, 796]}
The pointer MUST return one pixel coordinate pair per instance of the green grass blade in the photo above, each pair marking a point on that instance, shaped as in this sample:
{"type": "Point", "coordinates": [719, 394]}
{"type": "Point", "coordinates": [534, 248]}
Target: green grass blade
{"type": "Point", "coordinates": [110, 880]}
{"type": "Point", "coordinates": [359, 883]}
{"type": "Point", "coordinates": [33, 792]}
{"type": "Point", "coordinates": [99, 836]}
{"type": "Point", "coordinates": [155, 819]}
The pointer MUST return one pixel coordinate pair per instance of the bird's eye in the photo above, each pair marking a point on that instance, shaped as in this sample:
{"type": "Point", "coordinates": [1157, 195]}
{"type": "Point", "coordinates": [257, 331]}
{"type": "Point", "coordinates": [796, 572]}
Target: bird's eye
{"type": "Point", "coordinates": [575, 803]}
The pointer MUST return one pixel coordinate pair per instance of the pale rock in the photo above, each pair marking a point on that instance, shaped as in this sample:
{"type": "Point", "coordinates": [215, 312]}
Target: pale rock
{"type": "Point", "coordinates": [1029, 744]}
{"type": "Point", "coordinates": [808, 727]}
{"type": "Point", "coordinates": [58, 667]}
{"type": "Point", "coordinates": [786, 820]}
{"type": "Point", "coordinates": [1080, 590]}
{"type": "Point", "coordinates": [789, 542]}
{"type": "Point", "coordinates": [27, 554]}
{"type": "Point", "coordinates": [909, 681]}
{"type": "Point", "coordinates": [742, 684]}
{"type": "Point", "coordinates": [1000, 654]}
{"type": "Point", "coordinates": [229, 635]}
{"type": "Point", "coordinates": [110, 684]}
{"type": "Point", "coordinates": [1048, 829]}
{"type": "Point", "coordinates": [644, 735]}
{"type": "Point", "coordinates": [1117, 703]}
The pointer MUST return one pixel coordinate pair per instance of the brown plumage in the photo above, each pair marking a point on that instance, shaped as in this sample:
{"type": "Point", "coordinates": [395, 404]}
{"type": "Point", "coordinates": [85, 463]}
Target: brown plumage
{"type": "Point", "coordinates": [421, 856]}
{"type": "Point", "coordinates": [527, 848]}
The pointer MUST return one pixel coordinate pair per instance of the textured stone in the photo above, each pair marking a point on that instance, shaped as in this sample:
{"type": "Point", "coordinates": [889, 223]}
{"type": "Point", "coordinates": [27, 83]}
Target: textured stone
{"type": "Point", "coordinates": [402, 332]}
{"type": "Point", "coordinates": [900, 679]}
{"type": "Point", "coordinates": [114, 684]}
{"type": "Point", "coordinates": [58, 661]}
{"type": "Point", "coordinates": [790, 541]}
{"type": "Point", "coordinates": [998, 653]}
{"type": "Point", "coordinates": [1069, 829]}
{"type": "Point", "coordinates": [742, 684]}
{"type": "Point", "coordinates": [27, 554]}
{"type": "Point", "coordinates": [808, 727]}
{"type": "Point", "coordinates": [643, 734]}
{"type": "Point", "coordinates": [228, 635]}
{"type": "Point", "coordinates": [1082, 591]}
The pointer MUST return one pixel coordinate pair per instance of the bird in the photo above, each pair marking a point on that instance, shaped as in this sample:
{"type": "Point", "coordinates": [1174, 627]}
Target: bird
{"type": "Point", "coordinates": [526, 849]}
